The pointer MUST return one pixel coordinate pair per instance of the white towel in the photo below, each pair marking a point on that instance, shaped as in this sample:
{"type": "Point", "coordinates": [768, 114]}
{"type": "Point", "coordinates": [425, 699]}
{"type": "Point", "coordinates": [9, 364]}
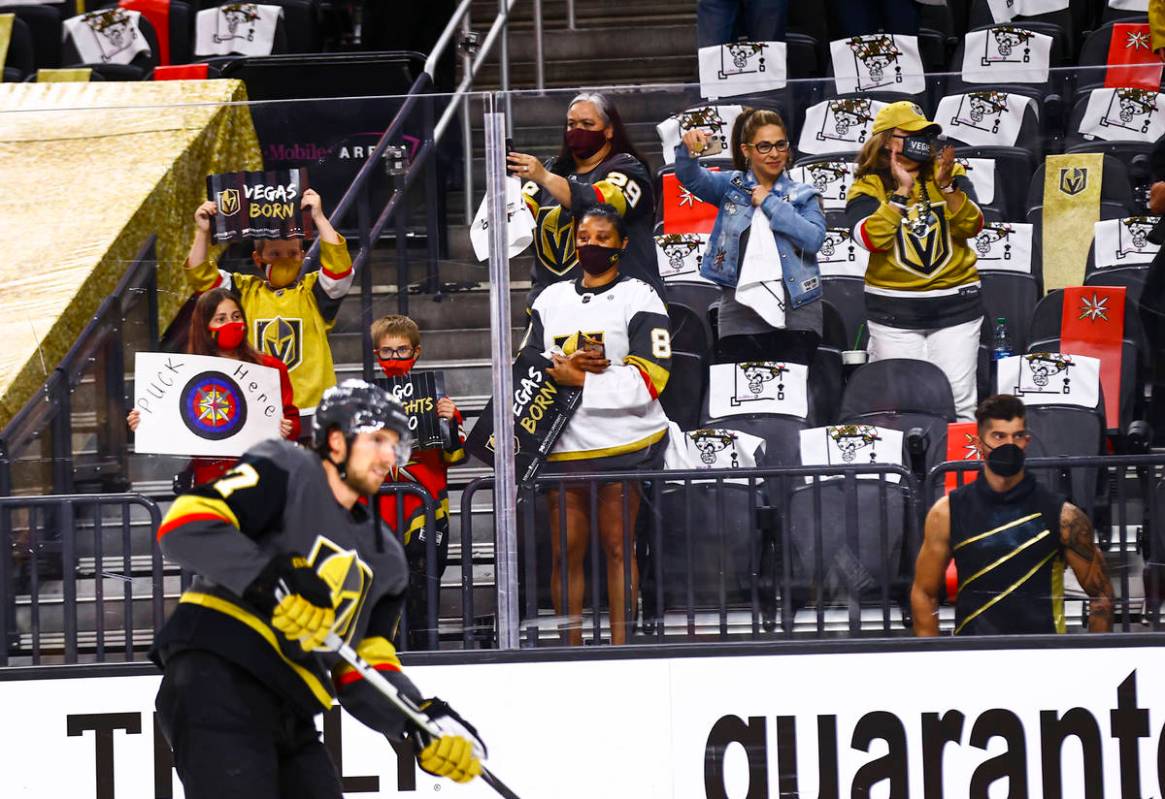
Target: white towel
{"type": "Point", "coordinates": [110, 36]}
{"type": "Point", "coordinates": [759, 285]}
{"type": "Point", "coordinates": [519, 223]}
{"type": "Point", "coordinates": [242, 28]}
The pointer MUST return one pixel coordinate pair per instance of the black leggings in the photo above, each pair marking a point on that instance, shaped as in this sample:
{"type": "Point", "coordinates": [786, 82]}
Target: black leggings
{"type": "Point", "coordinates": [233, 738]}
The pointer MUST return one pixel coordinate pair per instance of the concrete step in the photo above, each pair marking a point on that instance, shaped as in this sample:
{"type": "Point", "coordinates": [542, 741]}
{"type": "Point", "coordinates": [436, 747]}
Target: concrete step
{"type": "Point", "coordinates": [643, 41]}
{"type": "Point", "coordinates": [450, 344]}
{"type": "Point", "coordinates": [636, 104]}
{"type": "Point", "coordinates": [596, 72]}
{"type": "Point", "coordinates": [457, 310]}
{"type": "Point", "coordinates": [587, 13]}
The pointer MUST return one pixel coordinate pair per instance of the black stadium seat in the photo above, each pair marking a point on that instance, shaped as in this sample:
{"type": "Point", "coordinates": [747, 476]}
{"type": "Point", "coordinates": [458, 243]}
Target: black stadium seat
{"type": "Point", "coordinates": [683, 396]}
{"type": "Point", "coordinates": [1013, 172]}
{"type": "Point", "coordinates": [902, 393]}
{"type": "Point", "coordinates": [301, 23]}
{"type": "Point", "coordinates": [1115, 189]}
{"type": "Point", "coordinates": [690, 331]}
{"type": "Point", "coordinates": [44, 24]}
{"type": "Point", "coordinates": [1012, 295]}
{"type": "Point", "coordinates": [1072, 20]}
{"type": "Point", "coordinates": [141, 65]}
{"type": "Point", "coordinates": [20, 61]}
{"type": "Point", "coordinates": [1094, 53]}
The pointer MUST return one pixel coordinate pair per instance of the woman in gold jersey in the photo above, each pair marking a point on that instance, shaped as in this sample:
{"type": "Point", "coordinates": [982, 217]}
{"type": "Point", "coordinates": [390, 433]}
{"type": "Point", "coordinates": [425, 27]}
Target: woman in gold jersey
{"type": "Point", "coordinates": [915, 212]}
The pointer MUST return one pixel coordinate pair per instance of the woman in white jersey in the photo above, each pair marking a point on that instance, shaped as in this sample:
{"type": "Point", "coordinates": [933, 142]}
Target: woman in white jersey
{"type": "Point", "coordinates": [608, 334]}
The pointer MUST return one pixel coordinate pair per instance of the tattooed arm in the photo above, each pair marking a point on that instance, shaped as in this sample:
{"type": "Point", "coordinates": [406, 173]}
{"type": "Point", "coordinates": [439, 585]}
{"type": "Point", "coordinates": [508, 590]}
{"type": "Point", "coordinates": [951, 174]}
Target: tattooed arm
{"type": "Point", "coordinates": [1087, 561]}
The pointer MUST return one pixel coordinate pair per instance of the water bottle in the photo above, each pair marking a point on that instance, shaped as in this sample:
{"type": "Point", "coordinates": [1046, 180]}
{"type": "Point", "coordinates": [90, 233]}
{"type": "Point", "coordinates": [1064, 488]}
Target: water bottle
{"type": "Point", "coordinates": [1000, 341]}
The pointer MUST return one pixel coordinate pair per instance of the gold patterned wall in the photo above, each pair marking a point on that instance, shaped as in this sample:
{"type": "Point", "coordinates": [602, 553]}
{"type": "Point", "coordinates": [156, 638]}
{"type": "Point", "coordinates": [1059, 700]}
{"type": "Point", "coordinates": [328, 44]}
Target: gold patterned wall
{"type": "Point", "coordinates": [87, 172]}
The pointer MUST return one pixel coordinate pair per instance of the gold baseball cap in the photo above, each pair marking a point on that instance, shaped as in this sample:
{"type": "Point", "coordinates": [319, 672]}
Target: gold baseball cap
{"type": "Point", "coordinates": [906, 115]}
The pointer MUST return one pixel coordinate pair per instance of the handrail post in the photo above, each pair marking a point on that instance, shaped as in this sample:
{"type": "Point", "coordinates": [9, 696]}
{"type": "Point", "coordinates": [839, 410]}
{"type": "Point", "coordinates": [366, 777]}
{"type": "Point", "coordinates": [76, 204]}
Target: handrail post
{"type": "Point", "coordinates": [466, 128]}
{"type": "Point", "coordinates": [505, 486]}
{"type": "Point", "coordinates": [570, 14]}
{"type": "Point", "coordinates": [539, 65]}
{"type": "Point", "coordinates": [504, 60]}
{"type": "Point", "coordinates": [363, 216]}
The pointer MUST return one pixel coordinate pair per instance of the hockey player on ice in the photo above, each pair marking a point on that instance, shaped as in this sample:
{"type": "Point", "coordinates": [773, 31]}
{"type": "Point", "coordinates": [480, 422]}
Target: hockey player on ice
{"type": "Point", "coordinates": [288, 559]}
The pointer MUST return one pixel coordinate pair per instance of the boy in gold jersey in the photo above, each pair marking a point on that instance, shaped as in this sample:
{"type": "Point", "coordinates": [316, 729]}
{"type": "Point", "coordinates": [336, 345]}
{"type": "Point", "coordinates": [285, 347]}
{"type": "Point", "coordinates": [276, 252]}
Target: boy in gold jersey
{"type": "Point", "coordinates": [290, 318]}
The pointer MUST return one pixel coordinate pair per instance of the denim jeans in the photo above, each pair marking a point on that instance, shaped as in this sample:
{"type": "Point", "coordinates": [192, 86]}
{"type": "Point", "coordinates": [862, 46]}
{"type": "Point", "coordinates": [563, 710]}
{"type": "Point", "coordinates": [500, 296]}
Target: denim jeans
{"type": "Point", "coordinates": [723, 21]}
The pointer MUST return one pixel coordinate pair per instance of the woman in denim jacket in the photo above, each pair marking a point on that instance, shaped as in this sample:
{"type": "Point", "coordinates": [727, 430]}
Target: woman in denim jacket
{"type": "Point", "coordinates": [760, 154]}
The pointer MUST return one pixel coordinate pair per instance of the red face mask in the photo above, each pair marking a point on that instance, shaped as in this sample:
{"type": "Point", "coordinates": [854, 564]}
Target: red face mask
{"type": "Point", "coordinates": [229, 336]}
{"type": "Point", "coordinates": [396, 367]}
{"type": "Point", "coordinates": [585, 143]}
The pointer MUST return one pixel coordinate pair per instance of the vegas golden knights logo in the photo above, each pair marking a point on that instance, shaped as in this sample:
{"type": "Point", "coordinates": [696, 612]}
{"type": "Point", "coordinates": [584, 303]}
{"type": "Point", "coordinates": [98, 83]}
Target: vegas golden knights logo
{"type": "Point", "coordinates": [281, 338]}
{"type": "Point", "coordinates": [924, 243]}
{"type": "Point", "coordinates": [347, 576]}
{"type": "Point", "coordinates": [554, 241]}
{"type": "Point", "coordinates": [1073, 180]}
{"type": "Point", "coordinates": [228, 202]}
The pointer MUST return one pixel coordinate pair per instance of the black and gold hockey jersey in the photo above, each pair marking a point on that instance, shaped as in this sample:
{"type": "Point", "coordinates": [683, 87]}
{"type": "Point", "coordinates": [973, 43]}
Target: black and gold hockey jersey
{"type": "Point", "coordinates": [1010, 559]}
{"type": "Point", "coordinates": [621, 181]}
{"type": "Point", "coordinates": [277, 500]}
{"type": "Point", "coordinates": [291, 323]}
{"type": "Point", "coordinates": [620, 410]}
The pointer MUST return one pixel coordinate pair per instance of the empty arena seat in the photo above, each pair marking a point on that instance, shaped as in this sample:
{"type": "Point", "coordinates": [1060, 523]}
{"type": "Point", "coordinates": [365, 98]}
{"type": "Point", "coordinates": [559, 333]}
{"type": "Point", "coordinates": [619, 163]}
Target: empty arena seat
{"type": "Point", "coordinates": [111, 46]}
{"type": "Point", "coordinates": [1013, 296]}
{"type": "Point", "coordinates": [991, 118]}
{"type": "Point", "coordinates": [44, 26]}
{"type": "Point", "coordinates": [1059, 419]}
{"type": "Point", "coordinates": [1070, 20]}
{"type": "Point", "coordinates": [690, 331]}
{"type": "Point", "coordinates": [1114, 12]}
{"type": "Point", "coordinates": [20, 60]}
{"type": "Point", "coordinates": [847, 540]}
{"type": "Point", "coordinates": [840, 124]}
{"type": "Point", "coordinates": [847, 294]}
{"type": "Point", "coordinates": [1096, 52]}
{"type": "Point", "coordinates": [902, 393]}
{"type": "Point", "coordinates": [173, 22]}
{"type": "Point", "coordinates": [1014, 57]}
{"type": "Point", "coordinates": [1012, 172]}
{"type": "Point", "coordinates": [683, 395]}
{"type": "Point", "coordinates": [301, 23]}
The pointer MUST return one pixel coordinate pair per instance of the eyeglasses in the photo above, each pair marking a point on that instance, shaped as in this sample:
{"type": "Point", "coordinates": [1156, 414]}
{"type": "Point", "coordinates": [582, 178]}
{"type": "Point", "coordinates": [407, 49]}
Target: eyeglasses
{"type": "Point", "coordinates": [765, 147]}
{"type": "Point", "coordinates": [404, 351]}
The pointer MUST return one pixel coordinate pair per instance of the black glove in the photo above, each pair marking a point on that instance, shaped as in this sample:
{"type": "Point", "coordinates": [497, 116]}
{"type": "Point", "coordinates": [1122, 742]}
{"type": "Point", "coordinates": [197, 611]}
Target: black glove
{"type": "Point", "coordinates": [300, 603]}
{"type": "Point", "coordinates": [457, 751]}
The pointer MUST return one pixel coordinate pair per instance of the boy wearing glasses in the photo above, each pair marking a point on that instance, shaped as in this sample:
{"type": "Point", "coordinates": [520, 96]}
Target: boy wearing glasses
{"type": "Point", "coordinates": [396, 347]}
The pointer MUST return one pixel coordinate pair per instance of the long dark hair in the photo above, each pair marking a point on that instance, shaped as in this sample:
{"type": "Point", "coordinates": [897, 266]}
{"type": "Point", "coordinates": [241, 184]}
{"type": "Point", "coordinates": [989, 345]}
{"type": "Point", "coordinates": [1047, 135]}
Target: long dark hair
{"type": "Point", "coordinates": [200, 341]}
{"type": "Point", "coordinates": [620, 141]}
{"type": "Point", "coordinates": [874, 159]}
{"type": "Point", "coordinates": [747, 124]}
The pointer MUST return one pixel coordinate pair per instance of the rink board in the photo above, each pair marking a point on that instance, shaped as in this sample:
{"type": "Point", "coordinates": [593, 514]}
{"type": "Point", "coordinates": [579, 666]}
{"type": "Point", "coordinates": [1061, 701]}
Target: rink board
{"type": "Point", "coordinates": [611, 726]}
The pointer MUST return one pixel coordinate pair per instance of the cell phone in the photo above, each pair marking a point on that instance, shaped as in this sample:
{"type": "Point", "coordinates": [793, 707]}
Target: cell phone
{"type": "Point", "coordinates": [715, 144]}
{"type": "Point", "coordinates": [592, 345]}
{"type": "Point", "coordinates": [509, 146]}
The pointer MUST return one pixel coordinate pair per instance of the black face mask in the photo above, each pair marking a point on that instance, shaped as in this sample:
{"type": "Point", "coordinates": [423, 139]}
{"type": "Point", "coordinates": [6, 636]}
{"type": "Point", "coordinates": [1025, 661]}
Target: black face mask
{"type": "Point", "coordinates": [1006, 460]}
{"type": "Point", "coordinates": [918, 148]}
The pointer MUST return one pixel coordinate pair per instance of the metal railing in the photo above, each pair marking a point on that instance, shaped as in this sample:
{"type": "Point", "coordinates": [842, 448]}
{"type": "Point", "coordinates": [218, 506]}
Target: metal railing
{"type": "Point", "coordinates": [48, 537]}
{"type": "Point", "coordinates": [741, 553]}
{"type": "Point", "coordinates": [52, 547]}
{"type": "Point", "coordinates": [47, 418]}
{"type": "Point", "coordinates": [358, 196]}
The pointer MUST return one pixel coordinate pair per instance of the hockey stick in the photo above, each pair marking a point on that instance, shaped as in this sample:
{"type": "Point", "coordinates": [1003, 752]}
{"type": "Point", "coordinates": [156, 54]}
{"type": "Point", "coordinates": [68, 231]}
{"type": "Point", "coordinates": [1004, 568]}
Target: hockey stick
{"type": "Point", "coordinates": [403, 703]}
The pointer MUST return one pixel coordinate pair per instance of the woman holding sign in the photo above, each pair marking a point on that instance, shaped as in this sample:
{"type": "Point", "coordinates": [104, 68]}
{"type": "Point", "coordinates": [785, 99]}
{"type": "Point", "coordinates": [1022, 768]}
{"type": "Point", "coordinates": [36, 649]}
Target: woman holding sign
{"type": "Point", "coordinates": [219, 328]}
{"type": "Point", "coordinates": [608, 334]}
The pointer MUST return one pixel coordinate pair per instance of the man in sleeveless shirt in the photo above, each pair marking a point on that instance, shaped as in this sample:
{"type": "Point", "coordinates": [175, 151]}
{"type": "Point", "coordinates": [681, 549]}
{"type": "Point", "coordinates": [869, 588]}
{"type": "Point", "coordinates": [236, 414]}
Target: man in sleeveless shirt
{"type": "Point", "coordinates": [1010, 538]}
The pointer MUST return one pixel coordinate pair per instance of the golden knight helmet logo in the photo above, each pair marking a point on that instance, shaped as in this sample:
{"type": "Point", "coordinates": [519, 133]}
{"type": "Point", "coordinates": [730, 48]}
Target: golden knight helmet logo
{"type": "Point", "coordinates": [228, 202]}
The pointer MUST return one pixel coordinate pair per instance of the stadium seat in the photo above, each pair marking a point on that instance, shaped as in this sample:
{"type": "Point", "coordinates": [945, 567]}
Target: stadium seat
{"type": "Point", "coordinates": [1094, 53]}
{"type": "Point", "coordinates": [1048, 315]}
{"type": "Point", "coordinates": [826, 380]}
{"type": "Point", "coordinates": [709, 556]}
{"type": "Point", "coordinates": [301, 24]}
{"type": "Point", "coordinates": [1050, 92]}
{"type": "Point", "coordinates": [690, 331]}
{"type": "Point", "coordinates": [1063, 430]}
{"type": "Point", "coordinates": [179, 19]}
{"type": "Point", "coordinates": [978, 119]}
{"type": "Point", "coordinates": [699, 297]}
{"type": "Point", "coordinates": [1130, 382]}
{"type": "Point", "coordinates": [1110, 14]}
{"type": "Point", "coordinates": [20, 60]}
{"type": "Point", "coordinates": [44, 24]}
{"type": "Point", "coordinates": [844, 547]}
{"type": "Point", "coordinates": [1071, 20]}
{"type": "Point", "coordinates": [1131, 277]}
{"type": "Point", "coordinates": [1013, 296]}
{"type": "Point", "coordinates": [902, 393]}
{"type": "Point", "coordinates": [687, 383]}
{"type": "Point", "coordinates": [1013, 172]}
{"type": "Point", "coordinates": [848, 297]}
{"type": "Point", "coordinates": [140, 66]}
